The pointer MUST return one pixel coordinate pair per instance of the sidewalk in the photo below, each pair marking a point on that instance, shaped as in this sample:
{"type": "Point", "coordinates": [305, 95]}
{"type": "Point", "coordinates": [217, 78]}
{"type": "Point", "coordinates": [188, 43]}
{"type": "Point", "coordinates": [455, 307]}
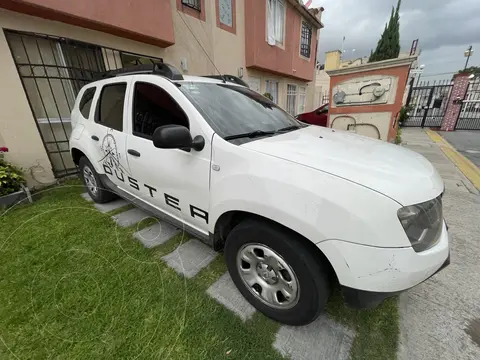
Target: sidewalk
{"type": "Point", "coordinates": [437, 318]}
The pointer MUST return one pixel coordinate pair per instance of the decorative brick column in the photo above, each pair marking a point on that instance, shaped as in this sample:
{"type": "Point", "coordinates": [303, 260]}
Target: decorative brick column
{"type": "Point", "coordinates": [459, 90]}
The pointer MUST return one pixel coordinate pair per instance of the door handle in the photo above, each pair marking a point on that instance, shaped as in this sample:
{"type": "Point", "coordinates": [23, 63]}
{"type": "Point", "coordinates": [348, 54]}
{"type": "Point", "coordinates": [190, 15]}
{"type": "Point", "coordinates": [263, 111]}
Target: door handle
{"type": "Point", "coordinates": [95, 137]}
{"type": "Point", "coordinates": [133, 152]}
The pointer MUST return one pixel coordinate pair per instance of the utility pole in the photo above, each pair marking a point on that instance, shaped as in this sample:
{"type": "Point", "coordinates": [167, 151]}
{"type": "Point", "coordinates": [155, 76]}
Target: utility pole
{"type": "Point", "coordinates": [467, 54]}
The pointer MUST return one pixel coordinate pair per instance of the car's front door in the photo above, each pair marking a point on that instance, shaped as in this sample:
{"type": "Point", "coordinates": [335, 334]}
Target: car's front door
{"type": "Point", "coordinates": [174, 181]}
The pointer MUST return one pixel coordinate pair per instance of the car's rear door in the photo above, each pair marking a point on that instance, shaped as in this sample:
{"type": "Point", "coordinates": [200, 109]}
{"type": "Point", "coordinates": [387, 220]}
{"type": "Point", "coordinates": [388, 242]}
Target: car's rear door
{"type": "Point", "coordinates": [107, 131]}
{"type": "Point", "coordinates": [174, 181]}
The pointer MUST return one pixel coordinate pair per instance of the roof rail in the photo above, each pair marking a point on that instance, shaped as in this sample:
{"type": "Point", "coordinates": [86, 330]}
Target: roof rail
{"type": "Point", "coordinates": [229, 78]}
{"type": "Point", "coordinates": [159, 68]}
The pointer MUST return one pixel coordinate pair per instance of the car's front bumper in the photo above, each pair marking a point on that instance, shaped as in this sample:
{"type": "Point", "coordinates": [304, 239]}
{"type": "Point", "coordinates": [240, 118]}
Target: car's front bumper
{"type": "Point", "coordinates": [360, 299]}
{"type": "Point", "coordinates": [384, 270]}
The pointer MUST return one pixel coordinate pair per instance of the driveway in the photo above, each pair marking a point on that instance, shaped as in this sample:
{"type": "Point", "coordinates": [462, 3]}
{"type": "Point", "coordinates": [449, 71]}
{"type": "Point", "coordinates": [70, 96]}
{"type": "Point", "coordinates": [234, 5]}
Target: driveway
{"type": "Point", "coordinates": [466, 142]}
{"type": "Point", "coordinates": [439, 319]}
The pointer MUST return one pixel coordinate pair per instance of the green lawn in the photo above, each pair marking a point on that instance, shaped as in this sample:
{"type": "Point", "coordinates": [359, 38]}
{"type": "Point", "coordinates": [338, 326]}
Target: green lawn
{"type": "Point", "coordinates": [74, 286]}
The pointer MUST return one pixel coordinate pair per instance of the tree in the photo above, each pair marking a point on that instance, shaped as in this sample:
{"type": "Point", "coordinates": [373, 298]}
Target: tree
{"type": "Point", "coordinates": [388, 46]}
{"type": "Point", "coordinates": [475, 70]}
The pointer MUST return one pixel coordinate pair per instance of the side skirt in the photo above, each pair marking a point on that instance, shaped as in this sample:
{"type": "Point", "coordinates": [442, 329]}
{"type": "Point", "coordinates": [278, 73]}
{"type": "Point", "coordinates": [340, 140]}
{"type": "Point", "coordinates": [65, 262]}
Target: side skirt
{"type": "Point", "coordinates": [205, 238]}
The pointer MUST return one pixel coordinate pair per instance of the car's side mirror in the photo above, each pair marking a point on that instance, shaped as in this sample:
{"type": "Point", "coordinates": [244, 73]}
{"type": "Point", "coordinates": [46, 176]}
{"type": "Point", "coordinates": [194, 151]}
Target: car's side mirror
{"type": "Point", "coordinates": [176, 137]}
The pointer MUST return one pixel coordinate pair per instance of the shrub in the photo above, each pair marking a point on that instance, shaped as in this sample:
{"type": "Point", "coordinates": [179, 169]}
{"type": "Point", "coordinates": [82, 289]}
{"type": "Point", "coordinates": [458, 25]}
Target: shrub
{"type": "Point", "coordinates": [404, 114]}
{"type": "Point", "coordinates": [268, 96]}
{"type": "Point", "coordinates": [11, 178]}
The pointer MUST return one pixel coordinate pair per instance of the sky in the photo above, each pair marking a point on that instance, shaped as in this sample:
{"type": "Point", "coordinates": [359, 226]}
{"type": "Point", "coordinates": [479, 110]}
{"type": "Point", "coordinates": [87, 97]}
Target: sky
{"type": "Point", "coordinates": [445, 29]}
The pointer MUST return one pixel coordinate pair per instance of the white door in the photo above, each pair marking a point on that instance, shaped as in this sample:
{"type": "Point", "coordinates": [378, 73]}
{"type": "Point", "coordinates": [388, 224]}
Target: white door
{"type": "Point", "coordinates": [174, 181]}
{"type": "Point", "coordinates": [107, 131]}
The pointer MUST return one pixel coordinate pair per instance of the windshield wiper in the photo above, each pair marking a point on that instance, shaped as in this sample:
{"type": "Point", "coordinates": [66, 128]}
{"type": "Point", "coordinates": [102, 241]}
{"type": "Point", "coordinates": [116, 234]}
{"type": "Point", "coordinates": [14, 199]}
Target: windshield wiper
{"type": "Point", "coordinates": [252, 134]}
{"type": "Point", "coordinates": [288, 128]}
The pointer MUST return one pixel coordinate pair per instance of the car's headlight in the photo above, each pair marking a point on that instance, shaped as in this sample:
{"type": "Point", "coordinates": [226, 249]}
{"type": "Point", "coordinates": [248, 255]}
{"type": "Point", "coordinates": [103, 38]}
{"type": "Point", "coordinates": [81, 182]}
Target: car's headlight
{"type": "Point", "coordinates": [422, 223]}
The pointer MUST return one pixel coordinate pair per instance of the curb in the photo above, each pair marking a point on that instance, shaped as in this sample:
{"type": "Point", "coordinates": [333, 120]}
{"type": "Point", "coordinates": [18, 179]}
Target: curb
{"type": "Point", "coordinates": [469, 169]}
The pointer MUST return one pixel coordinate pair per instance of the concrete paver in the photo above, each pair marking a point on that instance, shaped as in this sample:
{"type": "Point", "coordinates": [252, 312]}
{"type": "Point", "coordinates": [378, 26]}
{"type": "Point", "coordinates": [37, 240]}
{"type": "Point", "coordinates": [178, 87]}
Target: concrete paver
{"type": "Point", "coordinates": [435, 316]}
{"type": "Point", "coordinates": [130, 217]}
{"type": "Point", "coordinates": [86, 196]}
{"type": "Point", "coordinates": [227, 294]}
{"type": "Point", "coordinates": [156, 234]}
{"type": "Point", "coordinates": [322, 339]}
{"type": "Point", "coordinates": [112, 205]}
{"type": "Point", "coordinates": [189, 258]}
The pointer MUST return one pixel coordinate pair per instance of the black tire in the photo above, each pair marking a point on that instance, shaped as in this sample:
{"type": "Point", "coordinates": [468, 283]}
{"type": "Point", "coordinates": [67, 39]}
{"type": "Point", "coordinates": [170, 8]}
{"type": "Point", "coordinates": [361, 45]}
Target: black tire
{"type": "Point", "coordinates": [102, 195]}
{"type": "Point", "coordinates": [312, 276]}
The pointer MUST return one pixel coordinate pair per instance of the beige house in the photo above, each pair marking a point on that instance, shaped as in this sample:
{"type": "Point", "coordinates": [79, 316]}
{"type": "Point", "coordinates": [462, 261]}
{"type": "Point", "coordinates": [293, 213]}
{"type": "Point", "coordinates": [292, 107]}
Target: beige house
{"type": "Point", "coordinates": [50, 48]}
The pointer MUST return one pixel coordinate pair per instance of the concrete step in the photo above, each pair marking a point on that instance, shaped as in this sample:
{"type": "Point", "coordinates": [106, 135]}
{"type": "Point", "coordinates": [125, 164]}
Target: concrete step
{"type": "Point", "coordinates": [189, 258]}
{"type": "Point", "coordinates": [156, 234]}
{"type": "Point", "coordinates": [322, 339]}
{"type": "Point", "coordinates": [226, 293]}
{"type": "Point", "coordinates": [130, 217]}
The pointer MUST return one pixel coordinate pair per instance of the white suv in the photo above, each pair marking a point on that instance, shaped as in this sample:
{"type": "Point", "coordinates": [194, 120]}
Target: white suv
{"type": "Point", "coordinates": [295, 208]}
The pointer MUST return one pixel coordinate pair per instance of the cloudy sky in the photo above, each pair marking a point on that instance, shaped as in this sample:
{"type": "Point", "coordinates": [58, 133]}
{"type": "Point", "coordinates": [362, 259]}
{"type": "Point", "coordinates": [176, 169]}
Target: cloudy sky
{"type": "Point", "coordinates": [445, 29]}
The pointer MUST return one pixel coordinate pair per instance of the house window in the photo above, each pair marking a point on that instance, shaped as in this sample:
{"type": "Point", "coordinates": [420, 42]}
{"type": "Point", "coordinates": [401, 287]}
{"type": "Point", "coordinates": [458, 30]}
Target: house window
{"type": "Point", "coordinates": [254, 83]}
{"type": "Point", "coordinates": [276, 21]}
{"type": "Point", "coordinates": [272, 89]}
{"type": "Point", "coordinates": [194, 4]}
{"type": "Point", "coordinates": [306, 40]}
{"type": "Point", "coordinates": [302, 99]}
{"type": "Point", "coordinates": [226, 12]}
{"type": "Point", "coordinates": [292, 99]}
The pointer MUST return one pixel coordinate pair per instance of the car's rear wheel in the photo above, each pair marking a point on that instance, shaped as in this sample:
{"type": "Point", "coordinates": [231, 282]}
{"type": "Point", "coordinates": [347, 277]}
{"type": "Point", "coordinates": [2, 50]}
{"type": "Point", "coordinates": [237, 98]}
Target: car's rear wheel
{"type": "Point", "coordinates": [276, 272]}
{"type": "Point", "coordinates": [93, 183]}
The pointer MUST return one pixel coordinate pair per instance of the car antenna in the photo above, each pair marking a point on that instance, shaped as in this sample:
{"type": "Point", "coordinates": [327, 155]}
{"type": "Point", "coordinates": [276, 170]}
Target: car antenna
{"type": "Point", "coordinates": [199, 43]}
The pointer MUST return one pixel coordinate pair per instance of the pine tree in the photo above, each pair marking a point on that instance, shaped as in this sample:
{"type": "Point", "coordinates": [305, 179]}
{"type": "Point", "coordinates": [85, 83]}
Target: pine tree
{"type": "Point", "coordinates": [388, 46]}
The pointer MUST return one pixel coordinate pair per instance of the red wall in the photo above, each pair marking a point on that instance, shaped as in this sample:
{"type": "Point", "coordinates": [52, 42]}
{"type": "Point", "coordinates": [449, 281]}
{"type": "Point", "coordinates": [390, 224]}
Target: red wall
{"type": "Point", "coordinates": [400, 71]}
{"type": "Point", "coordinates": [259, 55]}
{"type": "Point", "coordinates": [148, 21]}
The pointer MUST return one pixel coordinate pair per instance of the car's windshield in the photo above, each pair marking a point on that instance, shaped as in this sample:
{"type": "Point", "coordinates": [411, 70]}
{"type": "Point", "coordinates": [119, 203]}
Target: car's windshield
{"type": "Point", "coordinates": [232, 110]}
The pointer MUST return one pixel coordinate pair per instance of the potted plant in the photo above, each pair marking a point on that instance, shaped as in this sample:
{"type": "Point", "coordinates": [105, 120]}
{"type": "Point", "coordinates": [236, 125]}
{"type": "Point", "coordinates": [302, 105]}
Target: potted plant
{"type": "Point", "coordinates": [11, 182]}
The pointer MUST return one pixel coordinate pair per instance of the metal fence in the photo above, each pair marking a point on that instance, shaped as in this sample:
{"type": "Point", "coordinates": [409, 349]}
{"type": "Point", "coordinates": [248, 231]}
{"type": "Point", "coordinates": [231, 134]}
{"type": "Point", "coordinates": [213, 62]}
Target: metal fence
{"type": "Point", "coordinates": [428, 103]}
{"type": "Point", "coordinates": [53, 70]}
{"type": "Point", "coordinates": [469, 117]}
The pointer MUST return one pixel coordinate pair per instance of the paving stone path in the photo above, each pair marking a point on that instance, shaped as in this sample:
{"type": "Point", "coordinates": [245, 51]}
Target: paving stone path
{"type": "Point", "coordinates": [323, 339]}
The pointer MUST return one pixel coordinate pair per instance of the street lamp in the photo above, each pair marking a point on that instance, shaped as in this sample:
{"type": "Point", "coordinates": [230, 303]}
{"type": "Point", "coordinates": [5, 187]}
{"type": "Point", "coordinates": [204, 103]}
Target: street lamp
{"type": "Point", "coordinates": [418, 71]}
{"type": "Point", "coordinates": [467, 54]}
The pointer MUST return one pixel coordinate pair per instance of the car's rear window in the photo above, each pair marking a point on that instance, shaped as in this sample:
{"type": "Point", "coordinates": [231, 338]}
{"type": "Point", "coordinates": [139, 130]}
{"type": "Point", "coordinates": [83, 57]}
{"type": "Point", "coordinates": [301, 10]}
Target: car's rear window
{"type": "Point", "coordinates": [86, 102]}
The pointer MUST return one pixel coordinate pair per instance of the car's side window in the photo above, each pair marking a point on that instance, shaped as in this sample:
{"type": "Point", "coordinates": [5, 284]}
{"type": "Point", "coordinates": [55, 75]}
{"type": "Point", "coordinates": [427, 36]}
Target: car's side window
{"type": "Point", "coordinates": [110, 106]}
{"type": "Point", "coordinates": [86, 102]}
{"type": "Point", "coordinates": [154, 107]}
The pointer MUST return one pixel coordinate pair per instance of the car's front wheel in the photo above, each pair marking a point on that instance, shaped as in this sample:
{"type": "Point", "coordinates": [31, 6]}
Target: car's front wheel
{"type": "Point", "coordinates": [276, 272]}
{"type": "Point", "coordinates": [93, 183]}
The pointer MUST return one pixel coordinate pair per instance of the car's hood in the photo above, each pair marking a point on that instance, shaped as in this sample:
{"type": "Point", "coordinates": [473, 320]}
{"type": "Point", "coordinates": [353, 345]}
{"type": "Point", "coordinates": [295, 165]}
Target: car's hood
{"type": "Point", "coordinates": [392, 170]}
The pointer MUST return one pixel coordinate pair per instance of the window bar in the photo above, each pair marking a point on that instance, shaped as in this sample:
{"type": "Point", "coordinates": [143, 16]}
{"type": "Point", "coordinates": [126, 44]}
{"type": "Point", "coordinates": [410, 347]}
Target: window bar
{"type": "Point", "coordinates": [115, 59]}
{"type": "Point", "coordinates": [41, 99]}
{"type": "Point", "coordinates": [58, 71]}
{"type": "Point", "coordinates": [51, 90]}
{"type": "Point", "coordinates": [194, 4]}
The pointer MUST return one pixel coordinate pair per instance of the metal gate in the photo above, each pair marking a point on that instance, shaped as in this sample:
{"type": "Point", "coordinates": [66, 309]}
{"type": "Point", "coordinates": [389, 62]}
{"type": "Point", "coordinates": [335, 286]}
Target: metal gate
{"type": "Point", "coordinates": [53, 70]}
{"type": "Point", "coordinates": [469, 117]}
{"type": "Point", "coordinates": [428, 104]}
